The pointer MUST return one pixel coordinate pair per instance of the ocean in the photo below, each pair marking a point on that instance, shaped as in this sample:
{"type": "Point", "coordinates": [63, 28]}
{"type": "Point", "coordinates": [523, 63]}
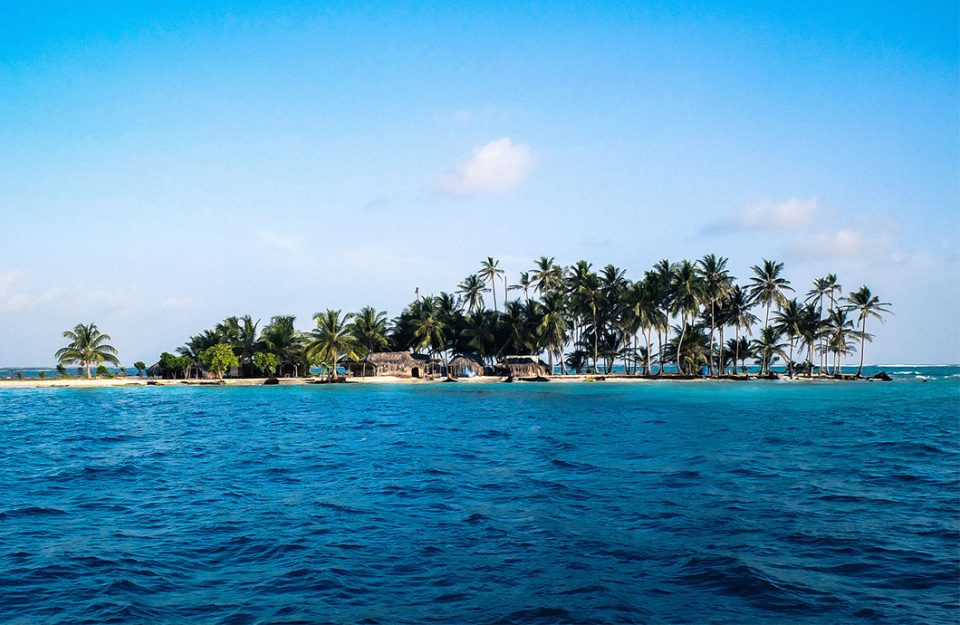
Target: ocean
{"type": "Point", "coordinates": [667, 502]}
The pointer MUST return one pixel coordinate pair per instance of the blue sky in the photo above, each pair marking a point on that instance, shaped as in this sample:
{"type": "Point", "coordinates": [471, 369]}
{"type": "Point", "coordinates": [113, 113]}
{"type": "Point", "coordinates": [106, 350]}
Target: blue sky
{"type": "Point", "coordinates": [162, 167]}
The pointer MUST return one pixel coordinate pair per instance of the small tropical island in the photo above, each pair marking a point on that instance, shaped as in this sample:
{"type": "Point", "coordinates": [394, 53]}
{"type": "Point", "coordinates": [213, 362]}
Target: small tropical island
{"type": "Point", "coordinates": [680, 320]}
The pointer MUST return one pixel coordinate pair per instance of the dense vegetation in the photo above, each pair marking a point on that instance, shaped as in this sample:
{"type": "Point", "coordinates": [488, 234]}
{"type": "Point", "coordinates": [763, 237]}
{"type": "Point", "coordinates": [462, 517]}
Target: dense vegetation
{"type": "Point", "coordinates": [683, 317]}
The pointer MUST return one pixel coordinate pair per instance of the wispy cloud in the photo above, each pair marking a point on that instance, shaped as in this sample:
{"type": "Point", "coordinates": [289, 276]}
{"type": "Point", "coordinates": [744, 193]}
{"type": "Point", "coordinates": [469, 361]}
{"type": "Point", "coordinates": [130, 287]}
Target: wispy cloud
{"type": "Point", "coordinates": [846, 242]}
{"type": "Point", "coordinates": [13, 300]}
{"type": "Point", "coordinates": [496, 167]}
{"type": "Point", "coordinates": [789, 214]}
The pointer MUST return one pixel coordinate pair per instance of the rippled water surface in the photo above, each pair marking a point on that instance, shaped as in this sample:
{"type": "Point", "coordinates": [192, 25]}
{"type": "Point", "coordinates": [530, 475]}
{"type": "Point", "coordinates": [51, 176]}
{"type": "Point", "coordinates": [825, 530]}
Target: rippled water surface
{"type": "Point", "coordinates": [467, 503]}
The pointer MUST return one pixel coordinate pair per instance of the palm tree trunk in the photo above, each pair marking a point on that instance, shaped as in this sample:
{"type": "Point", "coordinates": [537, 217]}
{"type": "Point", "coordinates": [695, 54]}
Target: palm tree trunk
{"type": "Point", "coordinates": [710, 352]}
{"type": "Point", "coordinates": [659, 352]}
{"type": "Point", "coordinates": [863, 338]}
{"type": "Point", "coordinates": [680, 343]}
{"type": "Point", "coordinates": [721, 364]}
{"type": "Point", "coordinates": [646, 360]}
{"type": "Point", "coordinates": [596, 338]}
{"type": "Point", "coordinates": [737, 353]}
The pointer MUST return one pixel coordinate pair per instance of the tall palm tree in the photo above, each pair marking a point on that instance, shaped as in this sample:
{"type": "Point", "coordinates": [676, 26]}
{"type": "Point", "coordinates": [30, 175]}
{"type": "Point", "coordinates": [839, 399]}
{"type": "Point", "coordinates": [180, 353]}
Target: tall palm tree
{"type": "Point", "coordinates": [429, 331]}
{"type": "Point", "coordinates": [827, 286]}
{"type": "Point", "coordinates": [490, 271]}
{"type": "Point", "coordinates": [739, 316]}
{"type": "Point", "coordinates": [471, 292]}
{"type": "Point", "coordinates": [867, 305]}
{"type": "Point", "coordinates": [839, 330]}
{"type": "Point", "coordinates": [331, 340]}
{"type": "Point", "coordinates": [687, 293]}
{"type": "Point", "coordinates": [717, 284]}
{"type": "Point", "coordinates": [87, 347]}
{"type": "Point", "coordinates": [788, 321]}
{"type": "Point", "coordinates": [767, 346]}
{"type": "Point", "coordinates": [553, 327]}
{"type": "Point", "coordinates": [369, 329]}
{"type": "Point", "coordinates": [768, 286]}
{"type": "Point", "coordinates": [525, 283]}
{"type": "Point", "coordinates": [281, 338]}
{"type": "Point", "coordinates": [547, 275]}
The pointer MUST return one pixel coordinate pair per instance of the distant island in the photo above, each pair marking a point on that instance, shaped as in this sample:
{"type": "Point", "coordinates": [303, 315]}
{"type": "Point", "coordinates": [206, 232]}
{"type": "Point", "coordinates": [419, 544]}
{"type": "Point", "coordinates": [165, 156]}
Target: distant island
{"type": "Point", "coordinates": [687, 319]}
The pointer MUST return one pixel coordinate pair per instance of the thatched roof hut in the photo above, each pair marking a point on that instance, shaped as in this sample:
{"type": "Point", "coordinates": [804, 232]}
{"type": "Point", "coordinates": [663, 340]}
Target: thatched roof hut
{"type": "Point", "coordinates": [399, 364]}
{"type": "Point", "coordinates": [465, 366]}
{"type": "Point", "coordinates": [522, 367]}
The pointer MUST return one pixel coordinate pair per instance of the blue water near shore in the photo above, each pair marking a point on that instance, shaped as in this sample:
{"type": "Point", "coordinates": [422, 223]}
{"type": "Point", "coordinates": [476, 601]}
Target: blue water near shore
{"type": "Point", "coordinates": [761, 502]}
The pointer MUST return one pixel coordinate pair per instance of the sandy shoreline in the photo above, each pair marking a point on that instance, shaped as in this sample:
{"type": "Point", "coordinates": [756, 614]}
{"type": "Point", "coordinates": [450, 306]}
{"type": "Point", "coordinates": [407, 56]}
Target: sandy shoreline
{"type": "Point", "coordinates": [563, 379]}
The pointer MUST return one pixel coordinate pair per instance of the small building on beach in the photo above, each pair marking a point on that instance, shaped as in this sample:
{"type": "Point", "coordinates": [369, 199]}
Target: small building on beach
{"type": "Point", "coordinates": [464, 366]}
{"type": "Point", "coordinates": [399, 364]}
{"type": "Point", "coordinates": [522, 367]}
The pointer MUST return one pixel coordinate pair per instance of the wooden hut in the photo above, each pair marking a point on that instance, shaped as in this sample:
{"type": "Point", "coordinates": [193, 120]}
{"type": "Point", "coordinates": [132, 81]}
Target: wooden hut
{"type": "Point", "coordinates": [465, 366]}
{"type": "Point", "coordinates": [522, 367]}
{"type": "Point", "coordinates": [399, 364]}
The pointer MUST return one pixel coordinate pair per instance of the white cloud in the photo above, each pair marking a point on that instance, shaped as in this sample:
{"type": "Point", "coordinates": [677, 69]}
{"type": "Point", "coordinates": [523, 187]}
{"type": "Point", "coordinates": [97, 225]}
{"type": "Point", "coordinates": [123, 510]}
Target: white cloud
{"type": "Point", "coordinates": [790, 214]}
{"type": "Point", "coordinates": [496, 167]}
{"type": "Point", "coordinates": [847, 242]}
{"type": "Point", "coordinates": [13, 302]}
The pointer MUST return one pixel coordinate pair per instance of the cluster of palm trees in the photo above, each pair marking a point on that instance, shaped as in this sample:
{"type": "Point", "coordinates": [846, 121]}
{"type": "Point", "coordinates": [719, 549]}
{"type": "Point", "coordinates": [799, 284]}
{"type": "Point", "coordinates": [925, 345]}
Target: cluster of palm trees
{"type": "Point", "coordinates": [678, 318]}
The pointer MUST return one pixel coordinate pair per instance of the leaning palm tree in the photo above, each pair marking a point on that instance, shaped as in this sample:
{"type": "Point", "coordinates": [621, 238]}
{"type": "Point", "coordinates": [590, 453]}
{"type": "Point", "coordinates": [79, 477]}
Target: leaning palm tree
{"type": "Point", "coordinates": [331, 340]}
{"type": "Point", "coordinates": [768, 286]}
{"type": "Point", "coordinates": [87, 347]}
{"type": "Point", "coordinates": [867, 305]}
{"type": "Point", "coordinates": [490, 271]}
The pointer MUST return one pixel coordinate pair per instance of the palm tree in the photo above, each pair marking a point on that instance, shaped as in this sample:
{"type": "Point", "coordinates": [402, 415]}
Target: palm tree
{"type": "Point", "coordinates": [867, 305]}
{"type": "Point", "coordinates": [480, 333]}
{"type": "Point", "coordinates": [839, 329]}
{"type": "Point", "coordinates": [717, 284]}
{"type": "Point", "coordinates": [471, 292]}
{"type": "Point", "coordinates": [369, 329]}
{"type": "Point", "coordinates": [826, 286]}
{"type": "Point", "coordinates": [547, 276]}
{"type": "Point", "coordinates": [788, 320]}
{"type": "Point", "coordinates": [331, 340]}
{"type": "Point", "coordinates": [490, 271]}
{"type": "Point", "coordinates": [429, 331]}
{"type": "Point", "coordinates": [687, 292]}
{"type": "Point", "coordinates": [87, 347]}
{"type": "Point", "coordinates": [768, 346]}
{"type": "Point", "coordinates": [281, 338]}
{"type": "Point", "coordinates": [767, 286]}
{"type": "Point", "coordinates": [199, 343]}
{"type": "Point", "coordinates": [524, 284]}
{"type": "Point", "coordinates": [553, 327]}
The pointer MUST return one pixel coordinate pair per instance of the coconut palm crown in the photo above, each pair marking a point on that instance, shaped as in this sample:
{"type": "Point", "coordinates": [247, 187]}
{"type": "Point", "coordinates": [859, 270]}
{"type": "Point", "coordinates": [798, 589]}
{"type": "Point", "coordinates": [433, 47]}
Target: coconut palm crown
{"type": "Point", "coordinates": [88, 347]}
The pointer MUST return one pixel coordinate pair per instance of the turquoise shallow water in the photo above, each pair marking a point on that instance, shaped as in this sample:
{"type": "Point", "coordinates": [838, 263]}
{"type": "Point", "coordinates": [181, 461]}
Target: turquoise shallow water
{"type": "Point", "coordinates": [464, 503]}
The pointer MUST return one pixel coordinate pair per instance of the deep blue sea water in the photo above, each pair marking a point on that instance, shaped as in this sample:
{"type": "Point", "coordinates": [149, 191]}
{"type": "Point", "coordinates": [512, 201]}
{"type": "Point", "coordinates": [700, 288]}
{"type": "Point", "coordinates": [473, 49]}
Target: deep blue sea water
{"type": "Point", "coordinates": [763, 502]}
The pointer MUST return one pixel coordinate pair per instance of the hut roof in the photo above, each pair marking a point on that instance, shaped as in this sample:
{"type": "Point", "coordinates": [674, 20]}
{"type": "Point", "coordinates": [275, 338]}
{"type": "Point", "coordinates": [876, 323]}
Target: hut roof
{"type": "Point", "coordinates": [462, 364]}
{"type": "Point", "coordinates": [521, 360]}
{"type": "Point", "coordinates": [397, 359]}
